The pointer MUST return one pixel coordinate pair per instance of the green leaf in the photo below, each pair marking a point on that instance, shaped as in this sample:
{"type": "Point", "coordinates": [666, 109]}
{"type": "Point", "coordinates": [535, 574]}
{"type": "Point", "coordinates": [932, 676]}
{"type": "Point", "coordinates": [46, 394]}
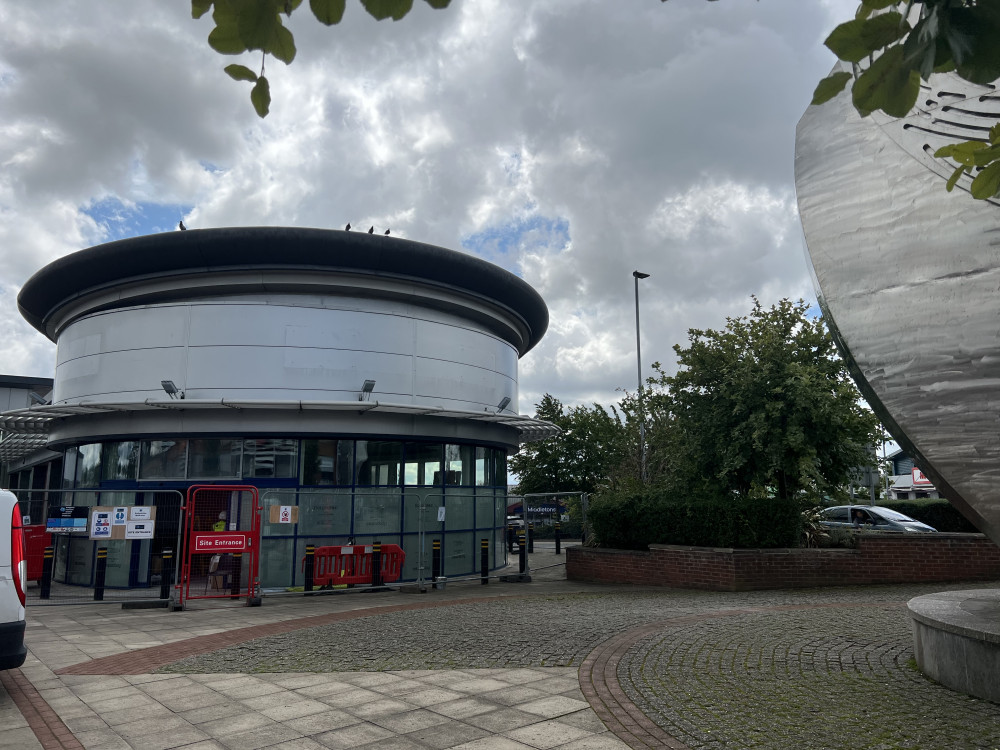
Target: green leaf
{"type": "Point", "coordinates": [889, 85]}
{"type": "Point", "coordinates": [979, 28]}
{"type": "Point", "coordinates": [987, 183]}
{"type": "Point", "coordinates": [878, 4]}
{"type": "Point", "coordinates": [240, 73]}
{"type": "Point", "coordinates": [282, 45]}
{"type": "Point", "coordinates": [438, 4]}
{"type": "Point", "coordinates": [995, 134]}
{"type": "Point", "coordinates": [855, 40]}
{"type": "Point", "coordinates": [963, 153]}
{"type": "Point", "coordinates": [328, 12]}
{"type": "Point", "coordinates": [830, 86]}
{"type": "Point", "coordinates": [226, 40]}
{"type": "Point", "coordinates": [383, 9]}
{"type": "Point", "coordinates": [200, 8]}
{"type": "Point", "coordinates": [260, 97]}
{"type": "Point", "coordinates": [959, 171]}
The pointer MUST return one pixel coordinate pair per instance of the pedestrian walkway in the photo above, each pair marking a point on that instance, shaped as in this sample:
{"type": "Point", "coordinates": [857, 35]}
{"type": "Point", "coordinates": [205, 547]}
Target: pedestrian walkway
{"type": "Point", "coordinates": [546, 665]}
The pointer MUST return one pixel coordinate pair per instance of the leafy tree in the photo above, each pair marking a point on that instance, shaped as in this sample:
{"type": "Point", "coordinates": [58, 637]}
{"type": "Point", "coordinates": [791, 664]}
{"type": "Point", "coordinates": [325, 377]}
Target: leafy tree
{"type": "Point", "coordinates": [579, 458]}
{"type": "Point", "coordinates": [889, 57]}
{"type": "Point", "coordinates": [762, 407]}
{"type": "Point", "coordinates": [255, 25]}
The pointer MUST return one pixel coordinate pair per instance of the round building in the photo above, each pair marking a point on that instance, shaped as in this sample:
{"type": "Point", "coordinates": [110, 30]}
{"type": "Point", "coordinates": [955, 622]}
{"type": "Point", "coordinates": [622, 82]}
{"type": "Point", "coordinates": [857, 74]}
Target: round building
{"type": "Point", "coordinates": [367, 382]}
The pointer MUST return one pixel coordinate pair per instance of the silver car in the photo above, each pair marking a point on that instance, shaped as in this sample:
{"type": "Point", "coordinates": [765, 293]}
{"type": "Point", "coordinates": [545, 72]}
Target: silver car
{"type": "Point", "coordinates": [13, 579]}
{"type": "Point", "coordinates": [870, 517]}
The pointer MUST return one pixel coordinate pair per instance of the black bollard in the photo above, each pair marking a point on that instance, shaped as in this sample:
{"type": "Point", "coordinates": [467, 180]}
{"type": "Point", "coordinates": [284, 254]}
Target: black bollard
{"type": "Point", "coordinates": [436, 561]}
{"type": "Point", "coordinates": [558, 539]}
{"type": "Point", "coordinates": [166, 572]}
{"type": "Point", "coordinates": [234, 590]}
{"type": "Point", "coordinates": [102, 567]}
{"type": "Point", "coordinates": [510, 538]}
{"type": "Point", "coordinates": [531, 537]}
{"type": "Point", "coordinates": [377, 564]}
{"type": "Point", "coordinates": [46, 583]}
{"type": "Point", "coordinates": [522, 553]}
{"type": "Point", "coordinates": [310, 566]}
{"type": "Point", "coordinates": [484, 560]}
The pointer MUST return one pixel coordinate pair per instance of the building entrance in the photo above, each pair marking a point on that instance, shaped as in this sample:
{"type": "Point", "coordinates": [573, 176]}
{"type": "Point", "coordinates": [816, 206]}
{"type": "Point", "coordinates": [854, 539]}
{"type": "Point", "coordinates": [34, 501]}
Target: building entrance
{"type": "Point", "coordinates": [220, 551]}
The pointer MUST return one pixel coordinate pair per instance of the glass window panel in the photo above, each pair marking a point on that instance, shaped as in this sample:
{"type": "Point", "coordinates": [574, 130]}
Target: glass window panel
{"type": "Point", "coordinates": [120, 460]}
{"type": "Point", "coordinates": [459, 510]}
{"type": "Point", "coordinates": [423, 464]}
{"type": "Point", "coordinates": [379, 462]}
{"type": "Point", "coordinates": [325, 513]}
{"type": "Point", "coordinates": [214, 458]}
{"type": "Point", "coordinates": [69, 466]}
{"type": "Point", "coordinates": [377, 513]}
{"type": "Point", "coordinates": [327, 462]}
{"type": "Point", "coordinates": [460, 467]}
{"type": "Point", "coordinates": [420, 511]}
{"type": "Point", "coordinates": [461, 557]}
{"type": "Point", "coordinates": [276, 563]}
{"type": "Point", "coordinates": [500, 468]}
{"type": "Point", "coordinates": [484, 509]}
{"type": "Point", "coordinates": [163, 459]}
{"type": "Point", "coordinates": [275, 498]}
{"type": "Point", "coordinates": [418, 550]}
{"type": "Point", "coordinates": [80, 561]}
{"type": "Point", "coordinates": [271, 458]}
{"type": "Point", "coordinates": [484, 466]}
{"type": "Point", "coordinates": [89, 470]}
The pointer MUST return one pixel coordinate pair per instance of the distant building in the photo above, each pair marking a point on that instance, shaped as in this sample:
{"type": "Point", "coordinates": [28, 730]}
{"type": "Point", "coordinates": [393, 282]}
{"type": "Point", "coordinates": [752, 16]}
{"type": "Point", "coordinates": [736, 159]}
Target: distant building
{"type": "Point", "coordinates": [907, 481]}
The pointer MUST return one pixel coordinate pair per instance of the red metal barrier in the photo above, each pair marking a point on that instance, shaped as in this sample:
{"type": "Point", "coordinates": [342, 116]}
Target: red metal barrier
{"type": "Point", "coordinates": [334, 566]}
{"type": "Point", "coordinates": [35, 542]}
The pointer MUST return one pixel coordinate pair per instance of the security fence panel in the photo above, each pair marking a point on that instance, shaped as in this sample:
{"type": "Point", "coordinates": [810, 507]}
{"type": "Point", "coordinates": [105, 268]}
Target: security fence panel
{"type": "Point", "coordinates": [101, 545]}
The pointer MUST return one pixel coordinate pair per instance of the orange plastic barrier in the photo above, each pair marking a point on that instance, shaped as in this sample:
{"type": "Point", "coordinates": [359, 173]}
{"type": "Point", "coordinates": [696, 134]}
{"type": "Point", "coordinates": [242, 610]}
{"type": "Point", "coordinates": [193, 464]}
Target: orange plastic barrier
{"type": "Point", "coordinates": [353, 564]}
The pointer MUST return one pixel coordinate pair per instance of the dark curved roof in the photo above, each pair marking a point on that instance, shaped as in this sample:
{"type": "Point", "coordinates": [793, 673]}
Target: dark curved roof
{"type": "Point", "coordinates": [250, 248]}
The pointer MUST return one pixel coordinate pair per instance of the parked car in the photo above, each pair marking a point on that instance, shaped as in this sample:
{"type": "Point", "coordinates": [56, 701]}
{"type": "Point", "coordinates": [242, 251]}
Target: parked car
{"type": "Point", "coordinates": [13, 579]}
{"type": "Point", "coordinates": [870, 517]}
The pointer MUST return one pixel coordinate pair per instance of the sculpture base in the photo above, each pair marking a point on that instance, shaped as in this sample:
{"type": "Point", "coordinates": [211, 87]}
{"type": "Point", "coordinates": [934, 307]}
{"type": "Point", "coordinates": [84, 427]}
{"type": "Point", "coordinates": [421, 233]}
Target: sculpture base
{"type": "Point", "coordinates": [956, 640]}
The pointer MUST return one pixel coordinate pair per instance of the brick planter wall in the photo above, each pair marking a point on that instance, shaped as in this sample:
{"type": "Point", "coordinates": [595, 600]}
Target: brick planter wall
{"type": "Point", "coordinates": [879, 558]}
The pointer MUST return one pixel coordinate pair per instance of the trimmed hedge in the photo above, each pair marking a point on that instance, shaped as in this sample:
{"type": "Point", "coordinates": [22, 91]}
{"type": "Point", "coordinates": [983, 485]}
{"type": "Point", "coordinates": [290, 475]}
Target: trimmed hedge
{"type": "Point", "coordinates": [936, 512]}
{"type": "Point", "coordinates": [634, 521]}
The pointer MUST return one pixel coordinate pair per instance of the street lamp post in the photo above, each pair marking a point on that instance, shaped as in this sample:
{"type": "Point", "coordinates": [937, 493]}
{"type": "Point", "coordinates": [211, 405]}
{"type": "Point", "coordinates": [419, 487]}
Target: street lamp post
{"type": "Point", "coordinates": [638, 359]}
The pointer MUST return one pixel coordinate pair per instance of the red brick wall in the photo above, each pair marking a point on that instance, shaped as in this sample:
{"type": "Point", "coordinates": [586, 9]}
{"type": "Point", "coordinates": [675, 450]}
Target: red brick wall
{"type": "Point", "coordinates": [879, 558]}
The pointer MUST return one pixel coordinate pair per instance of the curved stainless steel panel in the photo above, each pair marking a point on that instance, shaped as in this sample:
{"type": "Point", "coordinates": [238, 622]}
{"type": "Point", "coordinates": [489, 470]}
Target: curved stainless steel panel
{"type": "Point", "coordinates": [908, 276]}
{"type": "Point", "coordinates": [285, 349]}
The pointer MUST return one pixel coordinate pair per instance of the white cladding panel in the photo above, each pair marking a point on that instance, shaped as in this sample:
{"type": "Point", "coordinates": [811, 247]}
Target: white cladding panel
{"type": "Point", "coordinates": [284, 347]}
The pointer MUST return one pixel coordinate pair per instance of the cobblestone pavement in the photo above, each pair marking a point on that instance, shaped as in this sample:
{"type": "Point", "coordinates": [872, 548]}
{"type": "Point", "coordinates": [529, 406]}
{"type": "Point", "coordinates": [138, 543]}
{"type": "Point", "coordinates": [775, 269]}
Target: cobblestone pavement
{"type": "Point", "coordinates": [822, 668]}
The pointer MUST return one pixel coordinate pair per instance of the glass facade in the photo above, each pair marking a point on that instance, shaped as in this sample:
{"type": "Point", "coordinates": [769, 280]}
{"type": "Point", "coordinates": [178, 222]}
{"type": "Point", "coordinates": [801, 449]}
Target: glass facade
{"type": "Point", "coordinates": [343, 491]}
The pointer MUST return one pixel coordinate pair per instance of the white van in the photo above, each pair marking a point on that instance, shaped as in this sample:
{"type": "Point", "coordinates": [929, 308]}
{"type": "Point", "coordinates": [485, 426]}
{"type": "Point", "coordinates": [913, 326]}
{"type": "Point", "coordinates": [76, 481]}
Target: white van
{"type": "Point", "coordinates": [13, 578]}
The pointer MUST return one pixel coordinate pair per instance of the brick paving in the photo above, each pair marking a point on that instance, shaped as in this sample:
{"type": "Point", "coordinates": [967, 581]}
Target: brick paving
{"type": "Point", "coordinates": [550, 665]}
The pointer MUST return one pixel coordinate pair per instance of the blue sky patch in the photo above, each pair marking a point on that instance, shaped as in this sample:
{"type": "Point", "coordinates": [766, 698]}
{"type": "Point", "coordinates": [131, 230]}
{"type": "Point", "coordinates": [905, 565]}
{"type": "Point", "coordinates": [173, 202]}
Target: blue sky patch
{"type": "Point", "coordinates": [119, 220]}
{"type": "Point", "coordinates": [501, 245]}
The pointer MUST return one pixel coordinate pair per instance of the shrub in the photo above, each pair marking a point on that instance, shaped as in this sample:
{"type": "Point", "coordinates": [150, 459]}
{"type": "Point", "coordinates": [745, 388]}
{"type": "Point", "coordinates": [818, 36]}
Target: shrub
{"type": "Point", "coordinates": [936, 512]}
{"type": "Point", "coordinates": [636, 520]}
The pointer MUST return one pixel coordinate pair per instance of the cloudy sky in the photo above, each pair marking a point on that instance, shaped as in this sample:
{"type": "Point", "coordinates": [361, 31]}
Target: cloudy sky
{"type": "Point", "coordinates": [569, 141]}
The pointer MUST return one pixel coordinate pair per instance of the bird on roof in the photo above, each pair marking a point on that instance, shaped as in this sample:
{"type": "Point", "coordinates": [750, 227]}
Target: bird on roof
{"type": "Point", "coordinates": [348, 227]}
{"type": "Point", "coordinates": [180, 225]}
{"type": "Point", "coordinates": [386, 231]}
{"type": "Point", "coordinates": [371, 229]}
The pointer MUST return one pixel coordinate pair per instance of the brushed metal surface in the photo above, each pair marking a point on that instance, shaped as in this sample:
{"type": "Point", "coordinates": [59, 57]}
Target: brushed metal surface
{"type": "Point", "coordinates": [908, 277]}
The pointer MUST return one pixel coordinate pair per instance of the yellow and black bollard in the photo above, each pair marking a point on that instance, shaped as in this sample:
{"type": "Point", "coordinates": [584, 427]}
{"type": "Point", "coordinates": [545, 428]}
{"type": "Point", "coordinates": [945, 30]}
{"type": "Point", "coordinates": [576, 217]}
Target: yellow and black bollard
{"type": "Point", "coordinates": [166, 572]}
{"type": "Point", "coordinates": [484, 560]}
{"type": "Point", "coordinates": [310, 567]}
{"type": "Point", "coordinates": [377, 564]}
{"type": "Point", "coordinates": [46, 583]}
{"type": "Point", "coordinates": [100, 572]}
{"type": "Point", "coordinates": [436, 561]}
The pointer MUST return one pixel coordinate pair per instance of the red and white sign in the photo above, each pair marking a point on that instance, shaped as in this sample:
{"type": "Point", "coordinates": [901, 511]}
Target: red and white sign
{"type": "Point", "coordinates": [920, 479]}
{"type": "Point", "coordinates": [226, 541]}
